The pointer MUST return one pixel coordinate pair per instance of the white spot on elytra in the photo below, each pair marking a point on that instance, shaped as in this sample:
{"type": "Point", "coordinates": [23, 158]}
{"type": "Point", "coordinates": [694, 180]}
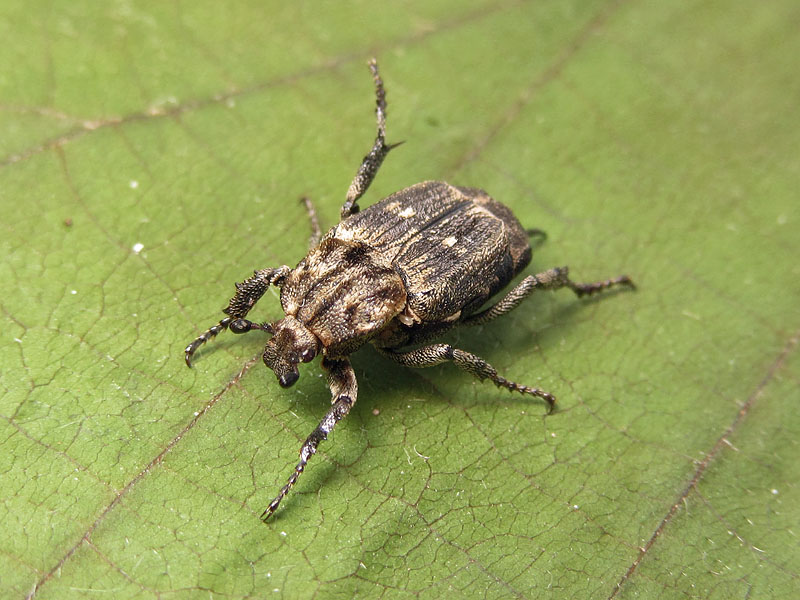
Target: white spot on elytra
{"type": "Point", "coordinates": [407, 212]}
{"type": "Point", "coordinates": [137, 247]}
{"type": "Point", "coordinates": [345, 235]}
{"type": "Point", "coordinates": [133, 184]}
{"type": "Point", "coordinates": [449, 241]}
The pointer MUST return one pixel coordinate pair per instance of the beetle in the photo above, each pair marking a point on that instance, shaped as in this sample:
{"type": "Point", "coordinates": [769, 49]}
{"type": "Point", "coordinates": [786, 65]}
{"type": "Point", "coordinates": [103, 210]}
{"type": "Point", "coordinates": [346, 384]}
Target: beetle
{"type": "Point", "coordinates": [398, 274]}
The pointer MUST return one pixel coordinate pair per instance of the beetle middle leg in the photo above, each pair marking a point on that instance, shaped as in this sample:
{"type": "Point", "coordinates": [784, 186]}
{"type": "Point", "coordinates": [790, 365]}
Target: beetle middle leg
{"type": "Point", "coordinates": [372, 161]}
{"type": "Point", "coordinates": [344, 390]}
{"type": "Point", "coordinates": [435, 354]}
{"type": "Point", "coordinates": [247, 294]}
{"type": "Point", "coordinates": [552, 279]}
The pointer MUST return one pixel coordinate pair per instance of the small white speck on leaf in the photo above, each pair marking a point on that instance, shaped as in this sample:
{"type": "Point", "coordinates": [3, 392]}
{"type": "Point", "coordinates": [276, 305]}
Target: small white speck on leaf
{"type": "Point", "coordinates": [782, 219]}
{"type": "Point", "coordinates": [137, 247]}
{"type": "Point", "coordinates": [133, 184]}
{"type": "Point", "coordinates": [774, 492]}
{"type": "Point", "coordinates": [19, 341]}
{"type": "Point", "coordinates": [73, 292]}
{"type": "Point", "coordinates": [284, 534]}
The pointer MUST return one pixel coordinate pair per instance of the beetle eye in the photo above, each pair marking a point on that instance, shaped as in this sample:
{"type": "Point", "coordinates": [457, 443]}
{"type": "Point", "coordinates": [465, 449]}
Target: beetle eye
{"type": "Point", "coordinates": [308, 355]}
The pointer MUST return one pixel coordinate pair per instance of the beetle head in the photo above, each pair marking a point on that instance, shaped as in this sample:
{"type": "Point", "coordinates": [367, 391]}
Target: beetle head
{"type": "Point", "coordinates": [291, 344]}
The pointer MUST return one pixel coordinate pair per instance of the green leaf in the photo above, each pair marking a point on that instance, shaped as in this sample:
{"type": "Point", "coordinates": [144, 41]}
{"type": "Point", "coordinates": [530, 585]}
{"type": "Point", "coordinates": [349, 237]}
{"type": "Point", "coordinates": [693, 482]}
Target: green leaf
{"type": "Point", "coordinates": [151, 154]}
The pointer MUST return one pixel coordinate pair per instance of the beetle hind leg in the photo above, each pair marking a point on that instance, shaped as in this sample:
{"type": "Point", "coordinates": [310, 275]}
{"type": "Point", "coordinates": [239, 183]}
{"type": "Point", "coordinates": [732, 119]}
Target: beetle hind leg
{"type": "Point", "coordinates": [372, 161]}
{"type": "Point", "coordinates": [558, 277]}
{"type": "Point", "coordinates": [435, 354]}
{"type": "Point", "coordinates": [552, 279]}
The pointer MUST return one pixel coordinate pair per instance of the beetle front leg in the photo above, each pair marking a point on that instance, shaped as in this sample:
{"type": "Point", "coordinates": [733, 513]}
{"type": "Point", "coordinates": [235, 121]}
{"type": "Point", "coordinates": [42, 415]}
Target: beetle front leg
{"type": "Point", "coordinates": [552, 279]}
{"type": "Point", "coordinates": [247, 294]}
{"type": "Point", "coordinates": [372, 161]}
{"type": "Point", "coordinates": [435, 354]}
{"type": "Point", "coordinates": [344, 390]}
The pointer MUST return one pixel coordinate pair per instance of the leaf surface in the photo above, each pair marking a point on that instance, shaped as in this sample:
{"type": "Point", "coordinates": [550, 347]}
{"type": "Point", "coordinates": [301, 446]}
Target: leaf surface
{"type": "Point", "coordinates": [152, 154]}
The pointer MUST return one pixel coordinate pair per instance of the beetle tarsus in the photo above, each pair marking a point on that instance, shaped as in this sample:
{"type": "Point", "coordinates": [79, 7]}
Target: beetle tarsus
{"type": "Point", "coordinates": [587, 289]}
{"type": "Point", "coordinates": [201, 339]}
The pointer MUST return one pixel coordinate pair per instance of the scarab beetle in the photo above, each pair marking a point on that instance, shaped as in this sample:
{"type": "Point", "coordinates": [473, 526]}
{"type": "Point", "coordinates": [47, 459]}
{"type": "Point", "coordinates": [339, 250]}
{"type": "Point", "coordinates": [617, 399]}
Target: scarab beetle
{"type": "Point", "coordinates": [403, 271]}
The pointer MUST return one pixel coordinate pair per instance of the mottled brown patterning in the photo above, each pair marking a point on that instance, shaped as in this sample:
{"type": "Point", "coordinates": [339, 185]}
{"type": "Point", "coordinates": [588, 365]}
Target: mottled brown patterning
{"type": "Point", "coordinates": [400, 273]}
